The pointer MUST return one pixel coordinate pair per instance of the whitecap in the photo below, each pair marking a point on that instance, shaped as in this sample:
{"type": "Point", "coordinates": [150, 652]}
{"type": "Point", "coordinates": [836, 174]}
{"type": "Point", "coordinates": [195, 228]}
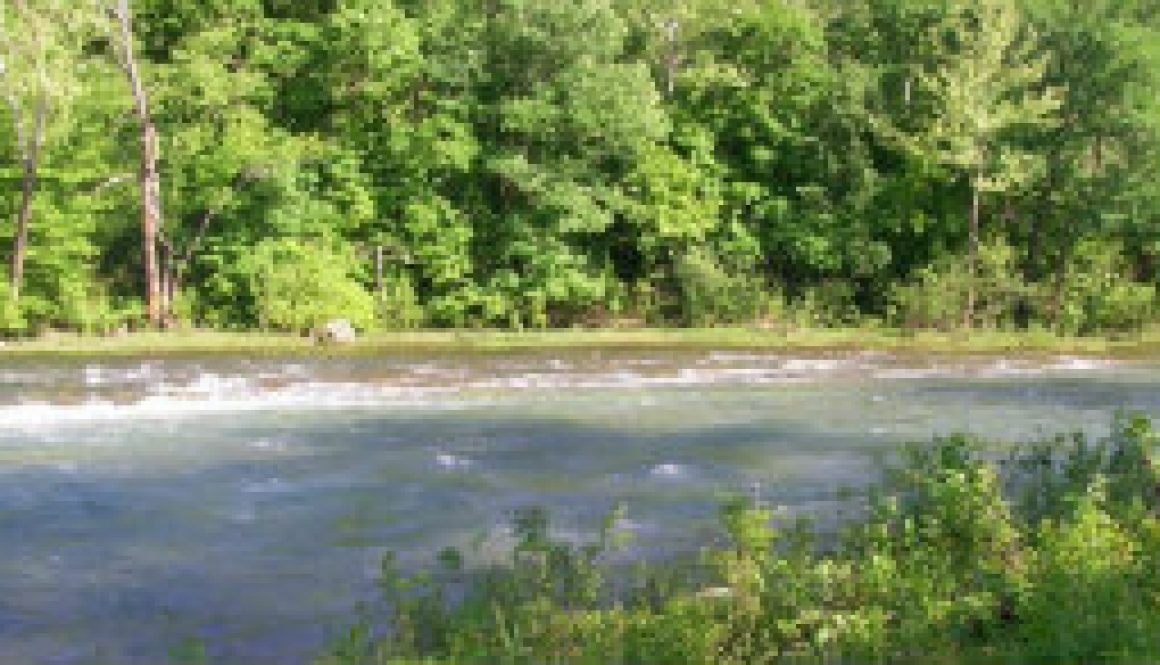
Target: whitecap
{"type": "Point", "coordinates": [667, 470]}
{"type": "Point", "coordinates": [268, 445]}
{"type": "Point", "coordinates": [452, 462]}
{"type": "Point", "coordinates": [1078, 364]}
{"type": "Point", "coordinates": [268, 486]}
{"type": "Point", "coordinates": [814, 365]}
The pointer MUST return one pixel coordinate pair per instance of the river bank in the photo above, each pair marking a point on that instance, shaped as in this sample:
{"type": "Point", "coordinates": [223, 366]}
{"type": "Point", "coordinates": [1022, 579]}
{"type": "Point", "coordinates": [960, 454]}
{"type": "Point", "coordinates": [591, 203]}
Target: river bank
{"type": "Point", "coordinates": [876, 339]}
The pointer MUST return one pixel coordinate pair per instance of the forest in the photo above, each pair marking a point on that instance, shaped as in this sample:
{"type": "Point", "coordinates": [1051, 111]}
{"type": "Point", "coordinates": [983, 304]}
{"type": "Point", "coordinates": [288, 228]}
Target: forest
{"type": "Point", "coordinates": [529, 164]}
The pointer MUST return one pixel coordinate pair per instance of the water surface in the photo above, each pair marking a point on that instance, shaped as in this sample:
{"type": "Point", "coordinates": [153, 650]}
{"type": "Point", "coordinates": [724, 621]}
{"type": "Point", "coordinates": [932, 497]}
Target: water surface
{"type": "Point", "coordinates": [246, 503]}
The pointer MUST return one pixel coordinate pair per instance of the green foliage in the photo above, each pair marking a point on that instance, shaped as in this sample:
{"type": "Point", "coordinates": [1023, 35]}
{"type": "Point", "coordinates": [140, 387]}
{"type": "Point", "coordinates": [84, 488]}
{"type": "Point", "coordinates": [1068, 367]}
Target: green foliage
{"type": "Point", "coordinates": [938, 295]}
{"type": "Point", "coordinates": [1046, 557]}
{"type": "Point", "coordinates": [537, 164]}
{"type": "Point", "coordinates": [299, 286]}
{"type": "Point", "coordinates": [830, 303]}
{"type": "Point", "coordinates": [397, 304]}
{"type": "Point", "coordinates": [1092, 296]}
{"type": "Point", "coordinates": [1095, 294]}
{"type": "Point", "coordinates": [710, 296]}
{"type": "Point", "coordinates": [11, 318]}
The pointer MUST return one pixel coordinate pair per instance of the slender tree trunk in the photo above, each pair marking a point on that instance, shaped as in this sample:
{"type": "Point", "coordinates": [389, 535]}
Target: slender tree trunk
{"type": "Point", "coordinates": [165, 262]}
{"type": "Point", "coordinates": [149, 177]}
{"type": "Point", "coordinates": [151, 221]}
{"type": "Point", "coordinates": [174, 265]}
{"type": "Point", "coordinates": [1061, 266]}
{"type": "Point", "coordinates": [972, 259]}
{"type": "Point", "coordinates": [672, 58]}
{"type": "Point", "coordinates": [379, 285]}
{"type": "Point", "coordinates": [30, 164]}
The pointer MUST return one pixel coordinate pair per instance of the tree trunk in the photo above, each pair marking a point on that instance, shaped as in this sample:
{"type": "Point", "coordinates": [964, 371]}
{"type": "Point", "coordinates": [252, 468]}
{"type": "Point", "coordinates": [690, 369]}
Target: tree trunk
{"type": "Point", "coordinates": [30, 164]}
{"type": "Point", "coordinates": [149, 177]}
{"type": "Point", "coordinates": [174, 265]}
{"type": "Point", "coordinates": [165, 262]}
{"type": "Point", "coordinates": [672, 57]}
{"type": "Point", "coordinates": [972, 259]}
{"type": "Point", "coordinates": [379, 285]}
{"type": "Point", "coordinates": [150, 220]}
{"type": "Point", "coordinates": [1061, 266]}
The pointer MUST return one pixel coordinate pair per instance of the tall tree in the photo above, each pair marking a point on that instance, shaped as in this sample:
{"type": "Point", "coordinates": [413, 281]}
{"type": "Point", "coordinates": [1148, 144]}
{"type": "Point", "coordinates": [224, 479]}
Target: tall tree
{"type": "Point", "coordinates": [1098, 156]}
{"type": "Point", "coordinates": [989, 84]}
{"type": "Point", "coordinates": [149, 177]}
{"type": "Point", "coordinates": [38, 49]}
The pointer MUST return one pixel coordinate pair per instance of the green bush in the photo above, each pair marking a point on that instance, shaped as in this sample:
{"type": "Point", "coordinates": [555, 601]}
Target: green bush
{"type": "Point", "coordinates": [829, 304]}
{"type": "Point", "coordinates": [398, 304]}
{"type": "Point", "coordinates": [1097, 295]}
{"type": "Point", "coordinates": [85, 307]}
{"type": "Point", "coordinates": [12, 320]}
{"type": "Point", "coordinates": [299, 285]}
{"type": "Point", "coordinates": [73, 303]}
{"type": "Point", "coordinates": [937, 297]}
{"type": "Point", "coordinates": [710, 295]}
{"type": "Point", "coordinates": [956, 560]}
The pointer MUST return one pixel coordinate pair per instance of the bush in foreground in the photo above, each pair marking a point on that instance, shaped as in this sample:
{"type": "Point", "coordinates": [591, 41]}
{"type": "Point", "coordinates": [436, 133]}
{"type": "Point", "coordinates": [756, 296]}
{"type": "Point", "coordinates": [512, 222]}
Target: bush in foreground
{"type": "Point", "coordinates": [1050, 555]}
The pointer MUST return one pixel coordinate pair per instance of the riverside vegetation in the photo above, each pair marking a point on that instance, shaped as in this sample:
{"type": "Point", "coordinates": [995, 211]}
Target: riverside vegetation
{"type": "Point", "coordinates": [528, 164]}
{"type": "Point", "coordinates": [965, 552]}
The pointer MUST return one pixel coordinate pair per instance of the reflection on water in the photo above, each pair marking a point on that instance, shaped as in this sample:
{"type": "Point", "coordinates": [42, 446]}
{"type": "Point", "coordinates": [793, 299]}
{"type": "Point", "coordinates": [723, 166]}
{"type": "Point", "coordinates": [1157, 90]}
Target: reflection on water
{"type": "Point", "coordinates": [246, 502]}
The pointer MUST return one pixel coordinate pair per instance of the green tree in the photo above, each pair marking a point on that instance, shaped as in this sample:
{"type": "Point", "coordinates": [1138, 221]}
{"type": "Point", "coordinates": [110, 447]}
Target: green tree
{"type": "Point", "coordinates": [1100, 156]}
{"type": "Point", "coordinates": [124, 42]}
{"type": "Point", "coordinates": [39, 48]}
{"type": "Point", "coordinates": [988, 84]}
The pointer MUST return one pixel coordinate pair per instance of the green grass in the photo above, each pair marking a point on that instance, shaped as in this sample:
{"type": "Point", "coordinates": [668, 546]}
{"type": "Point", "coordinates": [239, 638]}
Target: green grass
{"type": "Point", "coordinates": [924, 342]}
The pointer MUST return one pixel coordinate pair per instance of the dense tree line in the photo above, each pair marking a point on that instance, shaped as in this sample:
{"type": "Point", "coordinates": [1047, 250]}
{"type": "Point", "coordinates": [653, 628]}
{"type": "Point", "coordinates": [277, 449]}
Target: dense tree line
{"type": "Point", "coordinates": [536, 163]}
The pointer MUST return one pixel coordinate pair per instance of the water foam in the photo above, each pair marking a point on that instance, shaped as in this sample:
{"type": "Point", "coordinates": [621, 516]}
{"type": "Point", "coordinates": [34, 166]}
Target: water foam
{"type": "Point", "coordinates": [211, 394]}
{"type": "Point", "coordinates": [174, 393]}
{"type": "Point", "coordinates": [452, 462]}
{"type": "Point", "coordinates": [668, 470]}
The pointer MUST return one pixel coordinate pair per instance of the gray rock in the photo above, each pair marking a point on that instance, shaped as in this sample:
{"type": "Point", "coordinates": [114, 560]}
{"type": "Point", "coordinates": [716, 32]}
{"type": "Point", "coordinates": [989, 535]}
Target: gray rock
{"type": "Point", "coordinates": [338, 331]}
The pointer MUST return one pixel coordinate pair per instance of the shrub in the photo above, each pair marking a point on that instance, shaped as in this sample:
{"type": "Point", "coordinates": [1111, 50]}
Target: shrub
{"type": "Point", "coordinates": [299, 285]}
{"type": "Point", "coordinates": [12, 320]}
{"type": "Point", "coordinates": [1096, 293]}
{"type": "Point", "coordinates": [829, 304]}
{"type": "Point", "coordinates": [398, 304]}
{"type": "Point", "coordinates": [937, 297]}
{"type": "Point", "coordinates": [710, 295]}
{"type": "Point", "coordinates": [1084, 602]}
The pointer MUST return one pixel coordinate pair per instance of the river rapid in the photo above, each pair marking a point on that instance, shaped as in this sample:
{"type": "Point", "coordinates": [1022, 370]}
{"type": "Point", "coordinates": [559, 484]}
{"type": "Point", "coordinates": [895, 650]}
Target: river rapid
{"type": "Point", "coordinates": [245, 503]}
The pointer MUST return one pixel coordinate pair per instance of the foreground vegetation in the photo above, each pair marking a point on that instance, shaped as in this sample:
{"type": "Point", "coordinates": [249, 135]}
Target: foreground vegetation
{"type": "Point", "coordinates": [1047, 554]}
{"type": "Point", "coordinates": [531, 164]}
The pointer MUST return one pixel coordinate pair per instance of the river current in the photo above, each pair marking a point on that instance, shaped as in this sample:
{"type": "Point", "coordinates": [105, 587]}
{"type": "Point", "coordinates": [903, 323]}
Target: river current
{"type": "Point", "coordinates": [245, 504]}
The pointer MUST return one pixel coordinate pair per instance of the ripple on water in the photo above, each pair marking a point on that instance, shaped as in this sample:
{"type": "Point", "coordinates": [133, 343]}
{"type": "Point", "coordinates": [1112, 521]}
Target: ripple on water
{"type": "Point", "coordinates": [451, 462]}
{"type": "Point", "coordinates": [668, 470]}
{"type": "Point", "coordinates": [269, 445]}
{"type": "Point", "coordinates": [267, 486]}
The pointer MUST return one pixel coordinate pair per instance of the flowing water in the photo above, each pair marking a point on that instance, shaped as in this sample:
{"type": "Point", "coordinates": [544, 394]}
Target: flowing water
{"type": "Point", "coordinates": [246, 503]}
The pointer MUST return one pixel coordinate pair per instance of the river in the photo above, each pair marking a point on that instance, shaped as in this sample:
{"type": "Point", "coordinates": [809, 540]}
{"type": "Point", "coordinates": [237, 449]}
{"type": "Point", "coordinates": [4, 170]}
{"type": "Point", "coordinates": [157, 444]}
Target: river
{"type": "Point", "coordinates": [245, 503]}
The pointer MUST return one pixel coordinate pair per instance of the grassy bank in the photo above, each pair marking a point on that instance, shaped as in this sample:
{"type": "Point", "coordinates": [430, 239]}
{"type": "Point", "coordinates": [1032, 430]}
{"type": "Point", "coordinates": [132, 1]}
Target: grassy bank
{"type": "Point", "coordinates": [1050, 556]}
{"type": "Point", "coordinates": [891, 340]}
